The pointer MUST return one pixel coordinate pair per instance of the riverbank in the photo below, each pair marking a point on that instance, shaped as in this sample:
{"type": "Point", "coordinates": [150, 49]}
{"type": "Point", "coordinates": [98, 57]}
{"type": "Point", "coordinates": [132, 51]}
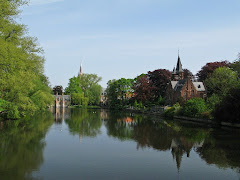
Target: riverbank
{"type": "Point", "coordinates": [159, 111]}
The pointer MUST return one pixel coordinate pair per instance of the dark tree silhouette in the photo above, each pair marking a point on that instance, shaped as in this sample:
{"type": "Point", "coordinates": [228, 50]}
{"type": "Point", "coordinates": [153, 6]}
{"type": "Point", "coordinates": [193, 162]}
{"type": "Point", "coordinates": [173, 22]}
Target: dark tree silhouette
{"type": "Point", "coordinates": [160, 78]}
{"type": "Point", "coordinates": [208, 69]}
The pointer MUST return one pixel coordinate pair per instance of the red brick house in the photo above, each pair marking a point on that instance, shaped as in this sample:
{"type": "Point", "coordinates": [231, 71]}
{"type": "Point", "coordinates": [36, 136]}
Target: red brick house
{"type": "Point", "coordinates": [183, 87]}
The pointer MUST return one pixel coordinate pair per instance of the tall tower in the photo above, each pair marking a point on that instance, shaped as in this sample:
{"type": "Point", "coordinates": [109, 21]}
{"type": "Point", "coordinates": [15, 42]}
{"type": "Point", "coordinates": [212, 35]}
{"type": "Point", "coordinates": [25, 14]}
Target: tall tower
{"type": "Point", "coordinates": [178, 72]}
{"type": "Point", "coordinates": [81, 71]}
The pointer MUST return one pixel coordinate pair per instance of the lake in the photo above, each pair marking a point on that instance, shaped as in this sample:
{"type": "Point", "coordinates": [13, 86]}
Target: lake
{"type": "Point", "coordinates": [102, 144]}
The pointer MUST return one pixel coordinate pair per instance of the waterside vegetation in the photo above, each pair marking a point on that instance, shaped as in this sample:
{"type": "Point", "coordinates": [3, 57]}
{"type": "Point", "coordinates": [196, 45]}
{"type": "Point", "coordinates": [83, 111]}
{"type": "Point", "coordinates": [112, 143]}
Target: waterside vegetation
{"type": "Point", "coordinates": [23, 86]}
{"type": "Point", "coordinates": [146, 91]}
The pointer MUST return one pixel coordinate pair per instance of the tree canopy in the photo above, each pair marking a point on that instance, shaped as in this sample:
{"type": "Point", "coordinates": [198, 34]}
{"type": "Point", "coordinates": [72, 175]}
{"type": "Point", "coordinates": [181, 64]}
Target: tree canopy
{"type": "Point", "coordinates": [23, 85]}
{"type": "Point", "coordinates": [208, 69]}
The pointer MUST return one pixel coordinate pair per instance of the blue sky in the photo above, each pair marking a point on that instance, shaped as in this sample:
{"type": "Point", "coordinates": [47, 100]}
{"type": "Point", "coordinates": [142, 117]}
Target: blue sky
{"type": "Point", "coordinates": [124, 38]}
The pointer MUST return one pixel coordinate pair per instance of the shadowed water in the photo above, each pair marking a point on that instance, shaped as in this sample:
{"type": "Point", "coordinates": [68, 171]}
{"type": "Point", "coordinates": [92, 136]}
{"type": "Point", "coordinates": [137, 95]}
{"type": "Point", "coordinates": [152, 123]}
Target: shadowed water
{"type": "Point", "coordinates": [100, 144]}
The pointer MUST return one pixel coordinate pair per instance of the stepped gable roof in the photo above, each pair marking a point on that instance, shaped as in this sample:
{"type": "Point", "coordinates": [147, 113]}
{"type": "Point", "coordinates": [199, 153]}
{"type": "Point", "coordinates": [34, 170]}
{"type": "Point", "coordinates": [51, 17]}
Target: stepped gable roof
{"type": "Point", "coordinates": [199, 86]}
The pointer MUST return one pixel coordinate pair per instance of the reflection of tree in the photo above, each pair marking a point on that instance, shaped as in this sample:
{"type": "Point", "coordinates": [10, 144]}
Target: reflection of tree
{"type": "Point", "coordinates": [22, 147]}
{"type": "Point", "coordinates": [85, 122]}
{"type": "Point", "coordinates": [161, 135]}
{"type": "Point", "coordinates": [222, 149]}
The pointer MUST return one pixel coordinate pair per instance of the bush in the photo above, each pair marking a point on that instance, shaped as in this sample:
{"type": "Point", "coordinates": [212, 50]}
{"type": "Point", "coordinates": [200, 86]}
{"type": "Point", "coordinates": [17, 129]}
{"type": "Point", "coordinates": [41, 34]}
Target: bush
{"type": "Point", "coordinates": [194, 107]}
{"type": "Point", "coordinates": [172, 111]}
{"type": "Point", "coordinates": [228, 109]}
{"type": "Point", "coordinates": [212, 102]}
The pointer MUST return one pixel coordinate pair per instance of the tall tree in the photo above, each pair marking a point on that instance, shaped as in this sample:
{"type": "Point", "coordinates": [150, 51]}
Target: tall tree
{"type": "Point", "coordinates": [119, 91]}
{"type": "Point", "coordinates": [221, 81]}
{"type": "Point", "coordinates": [143, 89]}
{"type": "Point", "coordinates": [159, 78]}
{"type": "Point", "coordinates": [208, 69]}
{"type": "Point", "coordinates": [23, 85]}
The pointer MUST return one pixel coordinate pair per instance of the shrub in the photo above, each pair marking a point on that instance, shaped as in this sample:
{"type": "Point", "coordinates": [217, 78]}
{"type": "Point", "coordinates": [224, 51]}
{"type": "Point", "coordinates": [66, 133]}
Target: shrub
{"type": "Point", "coordinates": [194, 107]}
{"type": "Point", "coordinates": [172, 110]}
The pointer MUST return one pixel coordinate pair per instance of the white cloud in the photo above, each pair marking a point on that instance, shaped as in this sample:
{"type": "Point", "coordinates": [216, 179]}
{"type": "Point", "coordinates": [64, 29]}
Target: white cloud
{"type": "Point", "coordinates": [42, 2]}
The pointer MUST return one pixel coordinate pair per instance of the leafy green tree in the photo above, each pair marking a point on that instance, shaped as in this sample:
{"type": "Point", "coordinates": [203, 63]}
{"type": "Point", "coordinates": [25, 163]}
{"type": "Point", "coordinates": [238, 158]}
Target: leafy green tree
{"type": "Point", "coordinates": [119, 91]}
{"type": "Point", "coordinates": [212, 101]}
{"type": "Point", "coordinates": [194, 107]}
{"type": "Point", "coordinates": [73, 86]}
{"type": "Point", "coordinates": [79, 99]}
{"type": "Point", "coordinates": [90, 87]}
{"type": "Point", "coordinates": [221, 81]}
{"type": "Point", "coordinates": [235, 66]}
{"type": "Point", "coordinates": [22, 80]}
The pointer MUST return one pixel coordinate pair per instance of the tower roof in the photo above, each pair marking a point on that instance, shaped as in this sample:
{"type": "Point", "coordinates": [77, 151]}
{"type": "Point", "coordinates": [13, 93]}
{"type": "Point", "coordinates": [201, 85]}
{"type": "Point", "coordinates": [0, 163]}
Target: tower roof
{"type": "Point", "coordinates": [179, 65]}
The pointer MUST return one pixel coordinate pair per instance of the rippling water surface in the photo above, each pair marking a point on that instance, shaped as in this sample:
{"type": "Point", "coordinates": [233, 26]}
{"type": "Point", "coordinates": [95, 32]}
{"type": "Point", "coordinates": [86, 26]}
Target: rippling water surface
{"type": "Point", "coordinates": [100, 144]}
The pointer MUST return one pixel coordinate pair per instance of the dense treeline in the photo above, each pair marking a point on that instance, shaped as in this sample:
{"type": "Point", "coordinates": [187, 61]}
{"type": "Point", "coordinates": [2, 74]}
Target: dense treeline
{"type": "Point", "coordinates": [221, 80]}
{"type": "Point", "coordinates": [23, 86]}
{"type": "Point", "coordinates": [84, 89]}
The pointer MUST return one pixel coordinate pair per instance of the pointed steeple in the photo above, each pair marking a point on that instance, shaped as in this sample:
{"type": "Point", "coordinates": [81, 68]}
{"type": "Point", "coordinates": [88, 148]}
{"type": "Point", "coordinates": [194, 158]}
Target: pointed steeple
{"type": "Point", "coordinates": [179, 64]}
{"type": "Point", "coordinates": [81, 71]}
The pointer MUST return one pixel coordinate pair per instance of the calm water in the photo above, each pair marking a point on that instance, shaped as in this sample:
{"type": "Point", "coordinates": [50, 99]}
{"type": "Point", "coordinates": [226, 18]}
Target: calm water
{"type": "Point", "coordinates": [97, 144]}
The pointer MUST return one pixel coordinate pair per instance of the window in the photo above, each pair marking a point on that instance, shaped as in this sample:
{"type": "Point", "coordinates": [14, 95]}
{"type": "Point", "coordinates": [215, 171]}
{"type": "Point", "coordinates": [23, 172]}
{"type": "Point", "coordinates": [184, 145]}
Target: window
{"type": "Point", "coordinates": [199, 86]}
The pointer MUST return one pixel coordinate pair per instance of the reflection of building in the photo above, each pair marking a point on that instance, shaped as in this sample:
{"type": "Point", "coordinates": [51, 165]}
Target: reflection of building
{"type": "Point", "coordinates": [61, 100]}
{"type": "Point", "coordinates": [61, 114]}
{"type": "Point", "coordinates": [183, 87]}
{"type": "Point", "coordinates": [103, 97]}
{"type": "Point", "coordinates": [180, 146]}
{"type": "Point", "coordinates": [104, 115]}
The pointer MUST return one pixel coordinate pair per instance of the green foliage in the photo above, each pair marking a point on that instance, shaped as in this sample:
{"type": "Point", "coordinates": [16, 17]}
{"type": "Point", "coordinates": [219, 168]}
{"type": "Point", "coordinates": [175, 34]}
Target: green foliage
{"type": "Point", "coordinates": [228, 109]}
{"type": "Point", "coordinates": [73, 86]}
{"type": "Point", "coordinates": [21, 65]}
{"type": "Point", "coordinates": [135, 104]}
{"type": "Point", "coordinates": [212, 101]}
{"type": "Point", "coordinates": [172, 111]}
{"type": "Point", "coordinates": [140, 104]}
{"type": "Point", "coordinates": [85, 86]}
{"type": "Point", "coordinates": [161, 100]}
{"type": "Point", "coordinates": [194, 107]}
{"type": "Point", "coordinates": [79, 99]}
{"type": "Point", "coordinates": [221, 81]}
{"type": "Point", "coordinates": [119, 91]}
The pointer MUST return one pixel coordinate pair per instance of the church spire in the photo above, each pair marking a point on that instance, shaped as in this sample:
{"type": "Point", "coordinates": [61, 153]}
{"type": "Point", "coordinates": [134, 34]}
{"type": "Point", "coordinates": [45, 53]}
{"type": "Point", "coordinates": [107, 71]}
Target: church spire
{"type": "Point", "coordinates": [81, 71]}
{"type": "Point", "coordinates": [179, 64]}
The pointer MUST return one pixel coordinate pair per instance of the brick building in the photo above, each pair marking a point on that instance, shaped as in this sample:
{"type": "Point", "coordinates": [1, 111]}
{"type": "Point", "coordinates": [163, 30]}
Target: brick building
{"type": "Point", "coordinates": [183, 87]}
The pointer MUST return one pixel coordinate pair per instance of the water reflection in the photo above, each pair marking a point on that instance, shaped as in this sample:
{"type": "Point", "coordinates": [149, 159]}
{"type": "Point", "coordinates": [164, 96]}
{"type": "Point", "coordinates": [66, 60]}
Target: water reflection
{"type": "Point", "coordinates": [119, 142]}
{"type": "Point", "coordinates": [219, 147]}
{"type": "Point", "coordinates": [22, 146]}
{"type": "Point", "coordinates": [84, 122]}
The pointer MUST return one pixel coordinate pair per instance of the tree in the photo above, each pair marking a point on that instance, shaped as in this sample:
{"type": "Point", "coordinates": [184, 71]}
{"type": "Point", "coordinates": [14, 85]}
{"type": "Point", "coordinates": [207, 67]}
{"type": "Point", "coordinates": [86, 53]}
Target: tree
{"type": "Point", "coordinates": [23, 84]}
{"type": "Point", "coordinates": [235, 66]}
{"type": "Point", "coordinates": [186, 73]}
{"type": "Point", "coordinates": [119, 91]}
{"type": "Point", "coordinates": [159, 78]}
{"type": "Point", "coordinates": [73, 86]}
{"type": "Point", "coordinates": [208, 69]}
{"type": "Point", "coordinates": [194, 107]}
{"type": "Point", "coordinates": [228, 109]}
{"type": "Point", "coordinates": [143, 89]}
{"type": "Point", "coordinates": [87, 85]}
{"type": "Point", "coordinates": [221, 81]}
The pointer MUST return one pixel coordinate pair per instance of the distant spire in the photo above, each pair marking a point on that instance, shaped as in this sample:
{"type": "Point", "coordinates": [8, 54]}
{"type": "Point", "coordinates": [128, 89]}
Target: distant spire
{"type": "Point", "coordinates": [179, 64]}
{"type": "Point", "coordinates": [81, 71]}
